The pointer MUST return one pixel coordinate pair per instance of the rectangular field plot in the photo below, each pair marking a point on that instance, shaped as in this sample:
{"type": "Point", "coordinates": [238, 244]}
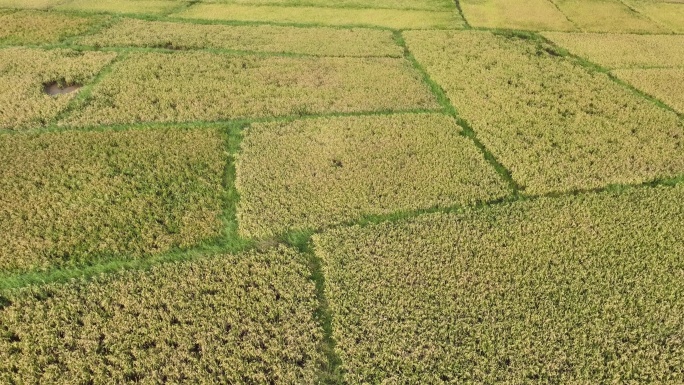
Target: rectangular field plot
{"type": "Point", "coordinates": [388, 18]}
{"type": "Point", "coordinates": [669, 14]}
{"type": "Point", "coordinates": [574, 290]}
{"type": "Point", "coordinates": [536, 15]}
{"type": "Point", "coordinates": [26, 73]}
{"type": "Point", "coordinates": [315, 172]}
{"type": "Point", "coordinates": [434, 5]}
{"type": "Point", "coordinates": [267, 38]}
{"type": "Point", "coordinates": [556, 125]}
{"type": "Point", "coordinates": [203, 86]}
{"type": "Point", "coordinates": [623, 50]}
{"type": "Point", "coordinates": [666, 84]}
{"type": "Point", "coordinates": [121, 6]}
{"type": "Point", "coordinates": [29, 4]}
{"type": "Point", "coordinates": [33, 27]}
{"type": "Point", "coordinates": [228, 319]}
{"type": "Point", "coordinates": [77, 197]}
{"type": "Point", "coordinates": [605, 16]}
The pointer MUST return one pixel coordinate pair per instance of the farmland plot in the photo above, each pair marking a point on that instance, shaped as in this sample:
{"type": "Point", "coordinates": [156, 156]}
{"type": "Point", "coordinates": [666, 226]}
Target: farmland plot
{"type": "Point", "coordinates": [30, 4]}
{"type": "Point", "coordinates": [435, 5]}
{"type": "Point", "coordinates": [556, 125]}
{"type": "Point", "coordinates": [387, 18]}
{"type": "Point", "coordinates": [122, 6]}
{"type": "Point", "coordinates": [229, 319]}
{"type": "Point", "coordinates": [623, 50]}
{"type": "Point", "coordinates": [203, 86]}
{"type": "Point", "coordinates": [605, 16]}
{"type": "Point", "coordinates": [584, 289]}
{"type": "Point", "coordinates": [515, 14]}
{"type": "Point", "coordinates": [669, 14]}
{"type": "Point", "coordinates": [32, 27]}
{"type": "Point", "coordinates": [666, 84]}
{"type": "Point", "coordinates": [79, 197]}
{"type": "Point", "coordinates": [24, 75]}
{"type": "Point", "coordinates": [315, 172]}
{"type": "Point", "coordinates": [266, 38]}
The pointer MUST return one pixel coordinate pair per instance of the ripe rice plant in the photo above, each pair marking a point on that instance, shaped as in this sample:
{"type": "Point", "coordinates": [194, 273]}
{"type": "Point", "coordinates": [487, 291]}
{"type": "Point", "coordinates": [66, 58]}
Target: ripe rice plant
{"type": "Point", "coordinates": [266, 38]}
{"type": "Point", "coordinates": [669, 14]}
{"type": "Point", "coordinates": [204, 86]}
{"type": "Point", "coordinates": [623, 50]}
{"type": "Point", "coordinates": [666, 84]}
{"type": "Point", "coordinates": [533, 15]}
{"type": "Point", "coordinates": [605, 16]}
{"type": "Point", "coordinates": [121, 6]}
{"type": "Point", "coordinates": [29, 4]}
{"type": "Point", "coordinates": [388, 18]}
{"type": "Point", "coordinates": [574, 290]}
{"type": "Point", "coordinates": [32, 27]}
{"type": "Point", "coordinates": [230, 319]}
{"type": "Point", "coordinates": [315, 172]}
{"type": "Point", "coordinates": [24, 74]}
{"type": "Point", "coordinates": [557, 125]}
{"type": "Point", "coordinates": [72, 198]}
{"type": "Point", "coordinates": [434, 5]}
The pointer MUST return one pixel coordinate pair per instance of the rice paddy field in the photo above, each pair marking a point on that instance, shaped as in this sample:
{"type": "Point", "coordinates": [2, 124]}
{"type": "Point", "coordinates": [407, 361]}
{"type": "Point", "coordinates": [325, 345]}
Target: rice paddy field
{"type": "Point", "coordinates": [342, 192]}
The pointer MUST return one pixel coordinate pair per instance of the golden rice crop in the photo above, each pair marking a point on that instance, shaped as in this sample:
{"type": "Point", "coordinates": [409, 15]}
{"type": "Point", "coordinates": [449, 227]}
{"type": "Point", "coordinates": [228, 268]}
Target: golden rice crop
{"type": "Point", "coordinates": [669, 14]}
{"type": "Point", "coordinates": [29, 4]}
{"type": "Point", "coordinates": [435, 5]}
{"type": "Point", "coordinates": [574, 290]}
{"type": "Point", "coordinates": [75, 197]}
{"type": "Point", "coordinates": [24, 73]}
{"type": "Point", "coordinates": [623, 50]}
{"type": "Point", "coordinates": [605, 16]}
{"type": "Point", "coordinates": [267, 38]}
{"type": "Point", "coordinates": [314, 172]}
{"type": "Point", "coordinates": [230, 319]}
{"type": "Point", "coordinates": [32, 27]}
{"type": "Point", "coordinates": [388, 18]}
{"type": "Point", "coordinates": [556, 125]}
{"type": "Point", "coordinates": [516, 14]}
{"type": "Point", "coordinates": [666, 84]}
{"type": "Point", "coordinates": [204, 86]}
{"type": "Point", "coordinates": [121, 6]}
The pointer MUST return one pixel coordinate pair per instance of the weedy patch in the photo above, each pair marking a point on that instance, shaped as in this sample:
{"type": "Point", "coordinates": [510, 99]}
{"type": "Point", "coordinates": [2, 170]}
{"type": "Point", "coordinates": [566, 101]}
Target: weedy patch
{"type": "Point", "coordinates": [584, 289]}
{"type": "Point", "coordinates": [314, 172]}
{"type": "Point", "coordinates": [435, 5]}
{"type": "Point", "coordinates": [121, 6]}
{"type": "Point", "coordinates": [203, 86]}
{"type": "Point", "coordinates": [244, 318]}
{"type": "Point", "coordinates": [33, 27]}
{"type": "Point", "coordinates": [77, 197]}
{"type": "Point", "coordinates": [515, 14]}
{"type": "Point", "coordinates": [605, 16]}
{"type": "Point", "coordinates": [266, 38]}
{"type": "Point", "coordinates": [666, 84]}
{"type": "Point", "coordinates": [556, 125]}
{"type": "Point", "coordinates": [388, 18]}
{"type": "Point", "coordinates": [24, 74]}
{"type": "Point", "coordinates": [669, 14]}
{"type": "Point", "coordinates": [623, 50]}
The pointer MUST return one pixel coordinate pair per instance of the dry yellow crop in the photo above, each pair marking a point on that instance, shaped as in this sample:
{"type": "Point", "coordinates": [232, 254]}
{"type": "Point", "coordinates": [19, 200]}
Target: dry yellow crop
{"type": "Point", "coordinates": [24, 74]}
{"type": "Point", "coordinates": [315, 172]}
{"type": "Point", "coordinates": [573, 290]}
{"type": "Point", "coordinates": [229, 319]}
{"type": "Point", "coordinates": [666, 84]}
{"type": "Point", "coordinates": [267, 38]}
{"type": "Point", "coordinates": [605, 16]}
{"type": "Point", "coordinates": [556, 125]}
{"type": "Point", "coordinates": [516, 14]}
{"type": "Point", "coordinates": [34, 27]}
{"type": "Point", "coordinates": [623, 50]}
{"type": "Point", "coordinates": [388, 18]}
{"type": "Point", "coordinates": [435, 5]}
{"type": "Point", "coordinates": [204, 86]}
{"type": "Point", "coordinates": [76, 197]}
{"type": "Point", "coordinates": [669, 14]}
{"type": "Point", "coordinates": [121, 6]}
{"type": "Point", "coordinates": [30, 4]}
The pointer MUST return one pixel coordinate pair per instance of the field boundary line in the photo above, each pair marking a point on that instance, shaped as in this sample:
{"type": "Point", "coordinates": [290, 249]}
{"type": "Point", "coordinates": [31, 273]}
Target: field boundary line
{"type": "Point", "coordinates": [645, 16]}
{"type": "Point", "coordinates": [575, 25]}
{"type": "Point", "coordinates": [460, 11]}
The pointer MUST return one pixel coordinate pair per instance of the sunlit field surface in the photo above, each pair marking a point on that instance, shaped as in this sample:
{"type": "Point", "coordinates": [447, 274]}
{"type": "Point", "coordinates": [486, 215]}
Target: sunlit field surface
{"type": "Point", "coordinates": [342, 191]}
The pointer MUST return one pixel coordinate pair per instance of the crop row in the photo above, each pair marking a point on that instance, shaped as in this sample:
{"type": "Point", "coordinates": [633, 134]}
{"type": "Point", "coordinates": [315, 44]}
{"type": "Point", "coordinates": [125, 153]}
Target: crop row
{"type": "Point", "coordinates": [583, 289]}
{"type": "Point", "coordinates": [227, 319]}
{"type": "Point", "coordinates": [77, 197]}
{"type": "Point", "coordinates": [315, 172]}
{"type": "Point", "coordinates": [556, 125]}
